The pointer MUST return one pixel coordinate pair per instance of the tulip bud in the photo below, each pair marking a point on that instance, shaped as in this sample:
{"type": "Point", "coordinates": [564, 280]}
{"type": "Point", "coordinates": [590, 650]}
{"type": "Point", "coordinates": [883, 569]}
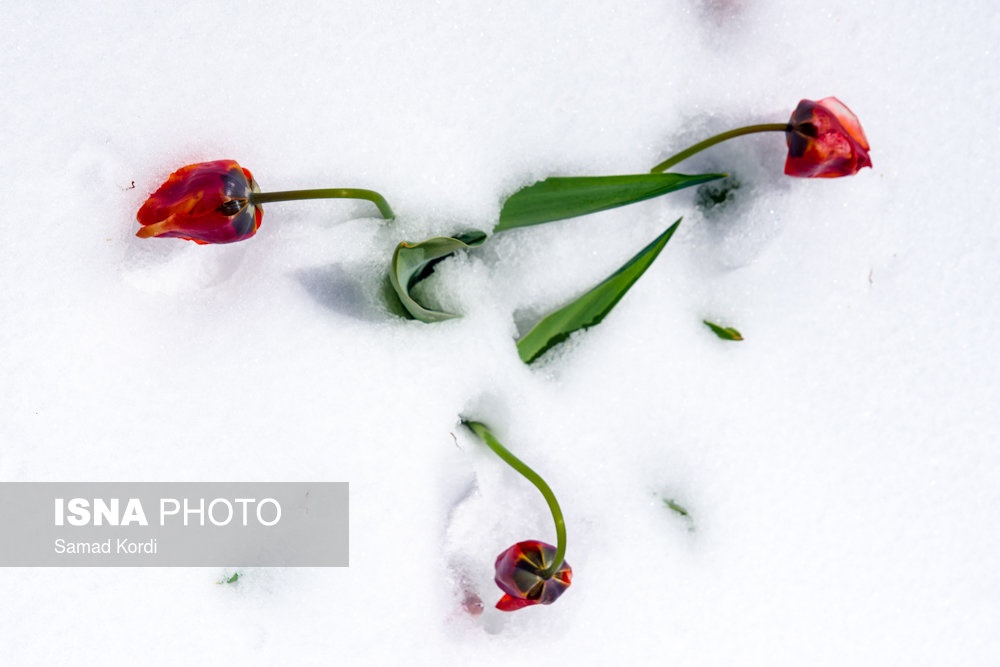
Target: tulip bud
{"type": "Point", "coordinates": [825, 140]}
{"type": "Point", "coordinates": [519, 572]}
{"type": "Point", "coordinates": [208, 202]}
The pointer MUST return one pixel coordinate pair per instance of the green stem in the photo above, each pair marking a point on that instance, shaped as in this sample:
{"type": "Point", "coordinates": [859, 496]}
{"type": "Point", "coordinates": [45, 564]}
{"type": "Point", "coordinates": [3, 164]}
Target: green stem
{"type": "Point", "coordinates": [533, 477]}
{"type": "Point", "coordinates": [719, 138]}
{"type": "Point", "coordinates": [326, 193]}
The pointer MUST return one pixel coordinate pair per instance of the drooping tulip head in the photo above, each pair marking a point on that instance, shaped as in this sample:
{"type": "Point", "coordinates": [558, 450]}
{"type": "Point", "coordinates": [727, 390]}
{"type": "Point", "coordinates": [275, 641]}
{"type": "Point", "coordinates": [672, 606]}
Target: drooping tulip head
{"type": "Point", "coordinates": [208, 202]}
{"type": "Point", "coordinates": [825, 140]}
{"type": "Point", "coordinates": [518, 574]}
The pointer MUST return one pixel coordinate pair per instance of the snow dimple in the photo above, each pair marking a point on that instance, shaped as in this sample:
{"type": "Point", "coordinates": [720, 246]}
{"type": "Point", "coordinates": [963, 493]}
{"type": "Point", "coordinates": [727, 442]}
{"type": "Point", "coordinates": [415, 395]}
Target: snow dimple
{"type": "Point", "coordinates": [174, 266]}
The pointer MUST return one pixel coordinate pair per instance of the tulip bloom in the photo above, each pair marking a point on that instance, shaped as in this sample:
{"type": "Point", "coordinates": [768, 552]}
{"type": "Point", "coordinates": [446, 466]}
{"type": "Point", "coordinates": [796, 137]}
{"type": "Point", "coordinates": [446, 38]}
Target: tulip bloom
{"type": "Point", "coordinates": [208, 202]}
{"type": "Point", "coordinates": [529, 572]}
{"type": "Point", "coordinates": [825, 140]}
{"type": "Point", "coordinates": [519, 572]}
{"type": "Point", "coordinates": [219, 202]}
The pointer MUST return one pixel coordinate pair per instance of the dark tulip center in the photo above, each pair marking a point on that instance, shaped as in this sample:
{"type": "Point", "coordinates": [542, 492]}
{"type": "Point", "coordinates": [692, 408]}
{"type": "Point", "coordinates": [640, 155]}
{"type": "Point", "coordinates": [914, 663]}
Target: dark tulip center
{"type": "Point", "coordinates": [231, 207]}
{"type": "Point", "coordinates": [807, 129]}
{"type": "Point", "coordinates": [535, 592]}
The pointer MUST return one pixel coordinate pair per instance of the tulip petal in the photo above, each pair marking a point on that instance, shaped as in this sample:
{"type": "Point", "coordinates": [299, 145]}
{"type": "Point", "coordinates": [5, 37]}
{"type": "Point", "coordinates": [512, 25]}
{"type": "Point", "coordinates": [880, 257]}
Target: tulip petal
{"type": "Point", "coordinates": [508, 603]}
{"type": "Point", "coordinates": [847, 118]}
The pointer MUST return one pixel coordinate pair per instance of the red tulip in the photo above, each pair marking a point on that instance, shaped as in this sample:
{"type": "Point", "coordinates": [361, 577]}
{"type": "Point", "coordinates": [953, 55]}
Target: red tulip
{"type": "Point", "coordinates": [518, 574]}
{"type": "Point", "coordinates": [825, 140]}
{"type": "Point", "coordinates": [208, 202]}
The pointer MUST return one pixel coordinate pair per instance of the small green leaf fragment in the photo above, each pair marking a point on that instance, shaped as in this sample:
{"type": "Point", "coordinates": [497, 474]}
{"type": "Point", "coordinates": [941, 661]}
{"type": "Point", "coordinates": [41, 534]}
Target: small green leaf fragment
{"type": "Point", "coordinates": [669, 502]}
{"type": "Point", "coordinates": [229, 580]}
{"type": "Point", "coordinates": [558, 198]}
{"type": "Point", "coordinates": [412, 262]}
{"type": "Point", "coordinates": [589, 309]}
{"type": "Point", "coordinates": [725, 333]}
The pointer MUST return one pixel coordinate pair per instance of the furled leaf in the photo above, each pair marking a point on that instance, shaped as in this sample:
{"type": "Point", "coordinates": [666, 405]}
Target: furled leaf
{"type": "Point", "coordinates": [590, 309]}
{"type": "Point", "coordinates": [412, 262]}
{"type": "Point", "coordinates": [725, 333]}
{"type": "Point", "coordinates": [558, 198]}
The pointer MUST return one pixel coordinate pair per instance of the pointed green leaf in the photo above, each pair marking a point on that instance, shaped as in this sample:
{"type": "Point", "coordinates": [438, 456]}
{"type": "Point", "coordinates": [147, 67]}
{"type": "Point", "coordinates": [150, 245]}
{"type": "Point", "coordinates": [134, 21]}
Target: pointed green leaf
{"type": "Point", "coordinates": [590, 309]}
{"type": "Point", "coordinates": [412, 262]}
{"type": "Point", "coordinates": [725, 333]}
{"type": "Point", "coordinates": [558, 198]}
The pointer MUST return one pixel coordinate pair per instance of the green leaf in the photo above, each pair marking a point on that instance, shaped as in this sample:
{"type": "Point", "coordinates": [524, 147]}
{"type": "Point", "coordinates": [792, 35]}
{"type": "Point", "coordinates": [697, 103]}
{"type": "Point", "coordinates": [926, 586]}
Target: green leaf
{"type": "Point", "coordinates": [558, 198]}
{"type": "Point", "coordinates": [725, 333]}
{"type": "Point", "coordinates": [589, 309]}
{"type": "Point", "coordinates": [681, 511]}
{"type": "Point", "coordinates": [675, 506]}
{"type": "Point", "coordinates": [412, 262]}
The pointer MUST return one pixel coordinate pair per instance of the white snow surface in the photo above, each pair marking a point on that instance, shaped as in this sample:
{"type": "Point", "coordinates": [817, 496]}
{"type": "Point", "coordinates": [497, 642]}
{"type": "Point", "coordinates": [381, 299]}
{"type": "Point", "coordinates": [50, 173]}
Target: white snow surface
{"type": "Point", "coordinates": [841, 465]}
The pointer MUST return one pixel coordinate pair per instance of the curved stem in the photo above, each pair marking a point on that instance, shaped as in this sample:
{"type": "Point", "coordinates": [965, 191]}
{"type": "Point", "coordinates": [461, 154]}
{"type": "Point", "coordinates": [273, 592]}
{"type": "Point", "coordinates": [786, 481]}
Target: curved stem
{"type": "Point", "coordinates": [533, 477]}
{"type": "Point", "coordinates": [326, 193]}
{"type": "Point", "coordinates": [719, 138]}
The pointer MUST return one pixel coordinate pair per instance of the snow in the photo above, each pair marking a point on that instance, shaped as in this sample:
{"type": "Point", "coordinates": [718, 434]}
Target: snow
{"type": "Point", "coordinates": [840, 465]}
